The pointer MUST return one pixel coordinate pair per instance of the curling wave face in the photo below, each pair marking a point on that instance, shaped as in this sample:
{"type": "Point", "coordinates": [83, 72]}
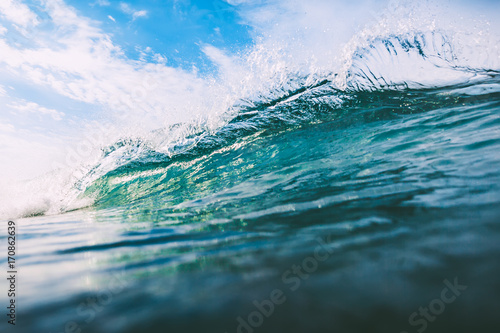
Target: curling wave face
{"type": "Point", "coordinates": [387, 79]}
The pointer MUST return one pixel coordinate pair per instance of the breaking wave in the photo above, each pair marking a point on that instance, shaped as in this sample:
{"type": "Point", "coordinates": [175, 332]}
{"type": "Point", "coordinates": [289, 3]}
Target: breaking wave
{"type": "Point", "coordinates": [410, 72]}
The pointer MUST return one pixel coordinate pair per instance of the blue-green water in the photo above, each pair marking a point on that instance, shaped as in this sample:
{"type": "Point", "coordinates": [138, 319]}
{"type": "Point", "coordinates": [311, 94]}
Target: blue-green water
{"type": "Point", "coordinates": [399, 189]}
{"type": "Point", "coordinates": [363, 209]}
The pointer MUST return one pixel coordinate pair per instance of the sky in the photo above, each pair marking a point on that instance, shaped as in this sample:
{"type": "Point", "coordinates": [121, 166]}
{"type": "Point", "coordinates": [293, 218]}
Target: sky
{"type": "Point", "coordinates": [67, 66]}
{"type": "Point", "coordinates": [64, 63]}
{"type": "Point", "coordinates": [169, 31]}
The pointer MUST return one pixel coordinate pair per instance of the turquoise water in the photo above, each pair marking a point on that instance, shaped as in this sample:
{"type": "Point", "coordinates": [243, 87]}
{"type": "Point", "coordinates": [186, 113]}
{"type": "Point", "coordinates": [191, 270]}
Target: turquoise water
{"type": "Point", "coordinates": [401, 188]}
{"type": "Point", "coordinates": [327, 208]}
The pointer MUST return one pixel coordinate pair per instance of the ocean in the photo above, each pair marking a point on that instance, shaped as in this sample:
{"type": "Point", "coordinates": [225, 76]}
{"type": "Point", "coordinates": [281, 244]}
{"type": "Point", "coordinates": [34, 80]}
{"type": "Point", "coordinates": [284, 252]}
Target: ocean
{"type": "Point", "coordinates": [364, 199]}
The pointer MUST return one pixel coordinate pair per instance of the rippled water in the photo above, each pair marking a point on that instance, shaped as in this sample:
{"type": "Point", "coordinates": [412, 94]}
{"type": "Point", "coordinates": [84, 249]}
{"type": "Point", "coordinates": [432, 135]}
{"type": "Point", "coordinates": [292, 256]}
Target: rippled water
{"type": "Point", "coordinates": [348, 209]}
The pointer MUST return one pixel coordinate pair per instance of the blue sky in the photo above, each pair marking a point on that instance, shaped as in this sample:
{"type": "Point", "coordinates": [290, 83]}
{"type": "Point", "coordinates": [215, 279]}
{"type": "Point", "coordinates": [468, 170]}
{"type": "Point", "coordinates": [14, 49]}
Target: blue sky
{"type": "Point", "coordinates": [172, 29]}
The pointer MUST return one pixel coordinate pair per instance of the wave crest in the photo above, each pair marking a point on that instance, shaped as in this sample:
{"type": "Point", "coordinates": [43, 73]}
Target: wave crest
{"type": "Point", "coordinates": [419, 60]}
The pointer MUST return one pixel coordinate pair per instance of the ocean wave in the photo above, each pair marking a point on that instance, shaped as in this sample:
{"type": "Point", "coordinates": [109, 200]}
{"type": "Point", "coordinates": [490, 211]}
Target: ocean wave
{"type": "Point", "coordinates": [402, 73]}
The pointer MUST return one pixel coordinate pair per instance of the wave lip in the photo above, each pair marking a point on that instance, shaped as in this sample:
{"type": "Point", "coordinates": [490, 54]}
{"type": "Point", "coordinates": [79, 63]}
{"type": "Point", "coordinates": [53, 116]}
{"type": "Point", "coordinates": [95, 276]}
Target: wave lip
{"type": "Point", "coordinates": [419, 60]}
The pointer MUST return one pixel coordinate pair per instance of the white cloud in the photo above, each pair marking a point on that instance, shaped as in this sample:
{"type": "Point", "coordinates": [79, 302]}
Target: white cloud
{"type": "Point", "coordinates": [148, 55]}
{"type": "Point", "coordinates": [111, 18]}
{"type": "Point", "coordinates": [127, 9]}
{"type": "Point", "coordinates": [160, 58]}
{"type": "Point", "coordinates": [140, 13]}
{"type": "Point", "coordinates": [237, 2]}
{"type": "Point", "coordinates": [228, 66]}
{"type": "Point", "coordinates": [18, 13]}
{"type": "Point", "coordinates": [101, 3]}
{"type": "Point", "coordinates": [33, 107]}
{"type": "Point", "coordinates": [7, 128]}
